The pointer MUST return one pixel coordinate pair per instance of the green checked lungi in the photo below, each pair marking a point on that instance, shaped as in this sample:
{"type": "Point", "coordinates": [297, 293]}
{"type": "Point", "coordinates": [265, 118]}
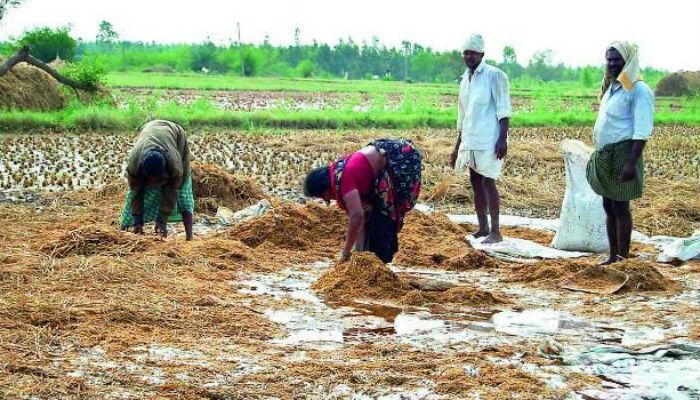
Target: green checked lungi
{"type": "Point", "coordinates": [604, 169]}
{"type": "Point", "coordinates": [153, 198]}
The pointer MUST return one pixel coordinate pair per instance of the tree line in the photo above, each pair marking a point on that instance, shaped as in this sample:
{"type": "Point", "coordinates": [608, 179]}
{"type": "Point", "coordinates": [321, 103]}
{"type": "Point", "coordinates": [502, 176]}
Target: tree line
{"type": "Point", "coordinates": [346, 59]}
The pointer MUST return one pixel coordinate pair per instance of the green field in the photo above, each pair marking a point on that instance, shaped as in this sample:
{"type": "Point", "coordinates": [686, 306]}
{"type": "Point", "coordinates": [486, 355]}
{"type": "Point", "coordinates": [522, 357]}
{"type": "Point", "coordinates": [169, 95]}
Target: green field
{"type": "Point", "coordinates": [355, 104]}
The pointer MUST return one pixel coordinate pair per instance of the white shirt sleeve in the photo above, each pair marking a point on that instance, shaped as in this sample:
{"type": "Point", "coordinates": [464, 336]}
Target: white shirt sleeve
{"type": "Point", "coordinates": [460, 108]}
{"type": "Point", "coordinates": [500, 90]}
{"type": "Point", "coordinates": [643, 113]}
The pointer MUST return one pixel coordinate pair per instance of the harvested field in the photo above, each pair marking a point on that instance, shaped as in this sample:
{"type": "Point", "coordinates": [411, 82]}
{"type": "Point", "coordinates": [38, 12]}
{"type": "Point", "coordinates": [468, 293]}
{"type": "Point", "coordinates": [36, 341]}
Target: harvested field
{"type": "Point", "coordinates": [533, 182]}
{"type": "Point", "coordinates": [260, 310]}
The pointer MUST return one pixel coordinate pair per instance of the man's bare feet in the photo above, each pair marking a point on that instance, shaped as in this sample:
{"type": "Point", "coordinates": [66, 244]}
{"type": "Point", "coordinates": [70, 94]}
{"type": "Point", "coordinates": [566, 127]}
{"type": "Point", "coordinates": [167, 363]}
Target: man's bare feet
{"type": "Point", "coordinates": [482, 233]}
{"type": "Point", "coordinates": [494, 237]}
{"type": "Point", "coordinates": [612, 260]}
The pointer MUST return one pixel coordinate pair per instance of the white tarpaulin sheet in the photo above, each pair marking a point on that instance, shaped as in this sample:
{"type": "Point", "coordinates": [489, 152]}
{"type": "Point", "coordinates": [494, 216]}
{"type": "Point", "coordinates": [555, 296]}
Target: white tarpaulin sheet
{"type": "Point", "coordinates": [514, 249]}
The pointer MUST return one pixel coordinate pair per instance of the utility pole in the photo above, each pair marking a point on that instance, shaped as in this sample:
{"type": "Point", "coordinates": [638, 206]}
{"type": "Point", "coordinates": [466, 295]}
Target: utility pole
{"type": "Point", "coordinates": [240, 49]}
{"type": "Point", "coordinates": [407, 51]}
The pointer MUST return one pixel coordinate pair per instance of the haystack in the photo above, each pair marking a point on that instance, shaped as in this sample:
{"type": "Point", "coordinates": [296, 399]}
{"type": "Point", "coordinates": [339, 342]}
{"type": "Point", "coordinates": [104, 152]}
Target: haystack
{"type": "Point", "coordinates": [25, 87]}
{"type": "Point", "coordinates": [684, 83]}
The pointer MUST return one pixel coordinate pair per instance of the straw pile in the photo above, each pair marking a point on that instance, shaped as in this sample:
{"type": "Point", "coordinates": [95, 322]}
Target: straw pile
{"type": "Point", "coordinates": [462, 295]}
{"type": "Point", "coordinates": [364, 276]}
{"type": "Point", "coordinates": [213, 186]}
{"type": "Point", "coordinates": [684, 83]}
{"type": "Point", "coordinates": [313, 228]}
{"type": "Point", "coordinates": [643, 275]}
{"type": "Point", "coordinates": [25, 87]}
{"type": "Point", "coordinates": [432, 240]}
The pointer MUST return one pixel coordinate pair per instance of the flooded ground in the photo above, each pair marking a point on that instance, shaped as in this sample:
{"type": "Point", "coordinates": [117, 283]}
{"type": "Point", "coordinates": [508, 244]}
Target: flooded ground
{"type": "Point", "coordinates": [632, 359]}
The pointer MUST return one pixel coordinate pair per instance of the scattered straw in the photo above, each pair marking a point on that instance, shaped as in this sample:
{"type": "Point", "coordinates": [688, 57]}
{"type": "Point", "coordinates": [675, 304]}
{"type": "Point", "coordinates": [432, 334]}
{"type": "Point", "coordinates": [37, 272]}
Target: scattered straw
{"type": "Point", "coordinates": [90, 240]}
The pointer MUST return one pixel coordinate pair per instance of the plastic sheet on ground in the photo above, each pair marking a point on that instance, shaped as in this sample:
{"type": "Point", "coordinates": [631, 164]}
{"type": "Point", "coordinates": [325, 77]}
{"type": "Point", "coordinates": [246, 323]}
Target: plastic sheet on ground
{"type": "Point", "coordinates": [514, 249]}
{"type": "Point", "coordinates": [681, 249]}
{"type": "Point", "coordinates": [539, 224]}
{"type": "Point", "coordinates": [660, 372]}
{"type": "Point", "coordinates": [671, 248]}
{"type": "Point", "coordinates": [227, 217]}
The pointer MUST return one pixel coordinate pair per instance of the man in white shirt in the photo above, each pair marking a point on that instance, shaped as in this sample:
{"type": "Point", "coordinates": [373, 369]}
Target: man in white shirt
{"type": "Point", "coordinates": [482, 124]}
{"type": "Point", "coordinates": [624, 124]}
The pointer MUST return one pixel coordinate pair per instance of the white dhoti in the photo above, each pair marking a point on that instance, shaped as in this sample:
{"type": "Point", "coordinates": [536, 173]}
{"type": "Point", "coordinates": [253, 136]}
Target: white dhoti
{"type": "Point", "coordinates": [484, 162]}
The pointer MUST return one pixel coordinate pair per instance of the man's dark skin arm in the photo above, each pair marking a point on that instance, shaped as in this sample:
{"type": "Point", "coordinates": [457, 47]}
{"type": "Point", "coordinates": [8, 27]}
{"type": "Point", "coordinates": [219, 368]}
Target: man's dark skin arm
{"type": "Point", "coordinates": [629, 171]}
{"type": "Point", "coordinates": [502, 142]}
{"type": "Point", "coordinates": [453, 156]}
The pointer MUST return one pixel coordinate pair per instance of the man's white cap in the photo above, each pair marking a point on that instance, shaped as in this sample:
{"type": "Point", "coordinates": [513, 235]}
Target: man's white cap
{"type": "Point", "coordinates": [474, 43]}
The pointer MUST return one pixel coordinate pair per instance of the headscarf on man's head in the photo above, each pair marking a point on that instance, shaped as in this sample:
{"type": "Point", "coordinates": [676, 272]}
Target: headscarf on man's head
{"type": "Point", "coordinates": [630, 72]}
{"type": "Point", "coordinates": [153, 164]}
{"type": "Point", "coordinates": [474, 43]}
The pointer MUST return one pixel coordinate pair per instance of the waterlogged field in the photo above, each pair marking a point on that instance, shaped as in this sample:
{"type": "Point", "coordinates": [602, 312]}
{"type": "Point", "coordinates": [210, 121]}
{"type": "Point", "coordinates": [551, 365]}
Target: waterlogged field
{"type": "Point", "coordinates": [279, 159]}
{"type": "Point", "coordinates": [260, 310]}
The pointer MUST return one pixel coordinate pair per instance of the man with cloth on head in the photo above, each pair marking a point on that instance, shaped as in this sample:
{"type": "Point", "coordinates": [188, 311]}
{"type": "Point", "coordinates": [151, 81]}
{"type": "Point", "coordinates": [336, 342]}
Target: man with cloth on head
{"type": "Point", "coordinates": [160, 179]}
{"type": "Point", "coordinates": [482, 142]}
{"type": "Point", "coordinates": [623, 125]}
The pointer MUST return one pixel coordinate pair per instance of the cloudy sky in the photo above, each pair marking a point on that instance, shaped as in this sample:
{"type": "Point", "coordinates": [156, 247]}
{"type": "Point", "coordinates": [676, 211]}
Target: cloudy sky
{"type": "Point", "coordinates": [668, 32]}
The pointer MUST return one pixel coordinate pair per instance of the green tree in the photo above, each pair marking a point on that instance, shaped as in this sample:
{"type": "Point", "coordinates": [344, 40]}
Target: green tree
{"type": "Point", "coordinates": [509, 56]}
{"type": "Point", "coordinates": [510, 63]}
{"type": "Point", "coordinates": [106, 34]}
{"type": "Point", "coordinates": [47, 43]}
{"type": "Point", "coordinates": [251, 61]}
{"type": "Point", "coordinates": [90, 74]}
{"type": "Point", "coordinates": [205, 56]}
{"type": "Point", "coordinates": [541, 66]}
{"type": "Point", "coordinates": [306, 68]}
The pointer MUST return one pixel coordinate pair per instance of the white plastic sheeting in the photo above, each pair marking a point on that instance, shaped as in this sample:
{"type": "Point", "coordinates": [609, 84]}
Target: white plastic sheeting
{"type": "Point", "coordinates": [539, 224]}
{"type": "Point", "coordinates": [227, 217]}
{"type": "Point", "coordinates": [681, 249]}
{"type": "Point", "coordinates": [520, 249]}
{"type": "Point", "coordinates": [672, 248]}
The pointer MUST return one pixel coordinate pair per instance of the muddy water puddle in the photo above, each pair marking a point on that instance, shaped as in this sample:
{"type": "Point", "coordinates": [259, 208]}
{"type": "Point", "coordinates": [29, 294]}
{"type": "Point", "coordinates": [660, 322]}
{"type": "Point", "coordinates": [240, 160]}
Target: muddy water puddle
{"type": "Point", "coordinates": [534, 320]}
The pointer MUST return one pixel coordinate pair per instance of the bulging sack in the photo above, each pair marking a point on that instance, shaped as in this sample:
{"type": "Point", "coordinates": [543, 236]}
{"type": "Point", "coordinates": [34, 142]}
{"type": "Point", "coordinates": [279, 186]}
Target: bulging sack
{"type": "Point", "coordinates": [582, 218]}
